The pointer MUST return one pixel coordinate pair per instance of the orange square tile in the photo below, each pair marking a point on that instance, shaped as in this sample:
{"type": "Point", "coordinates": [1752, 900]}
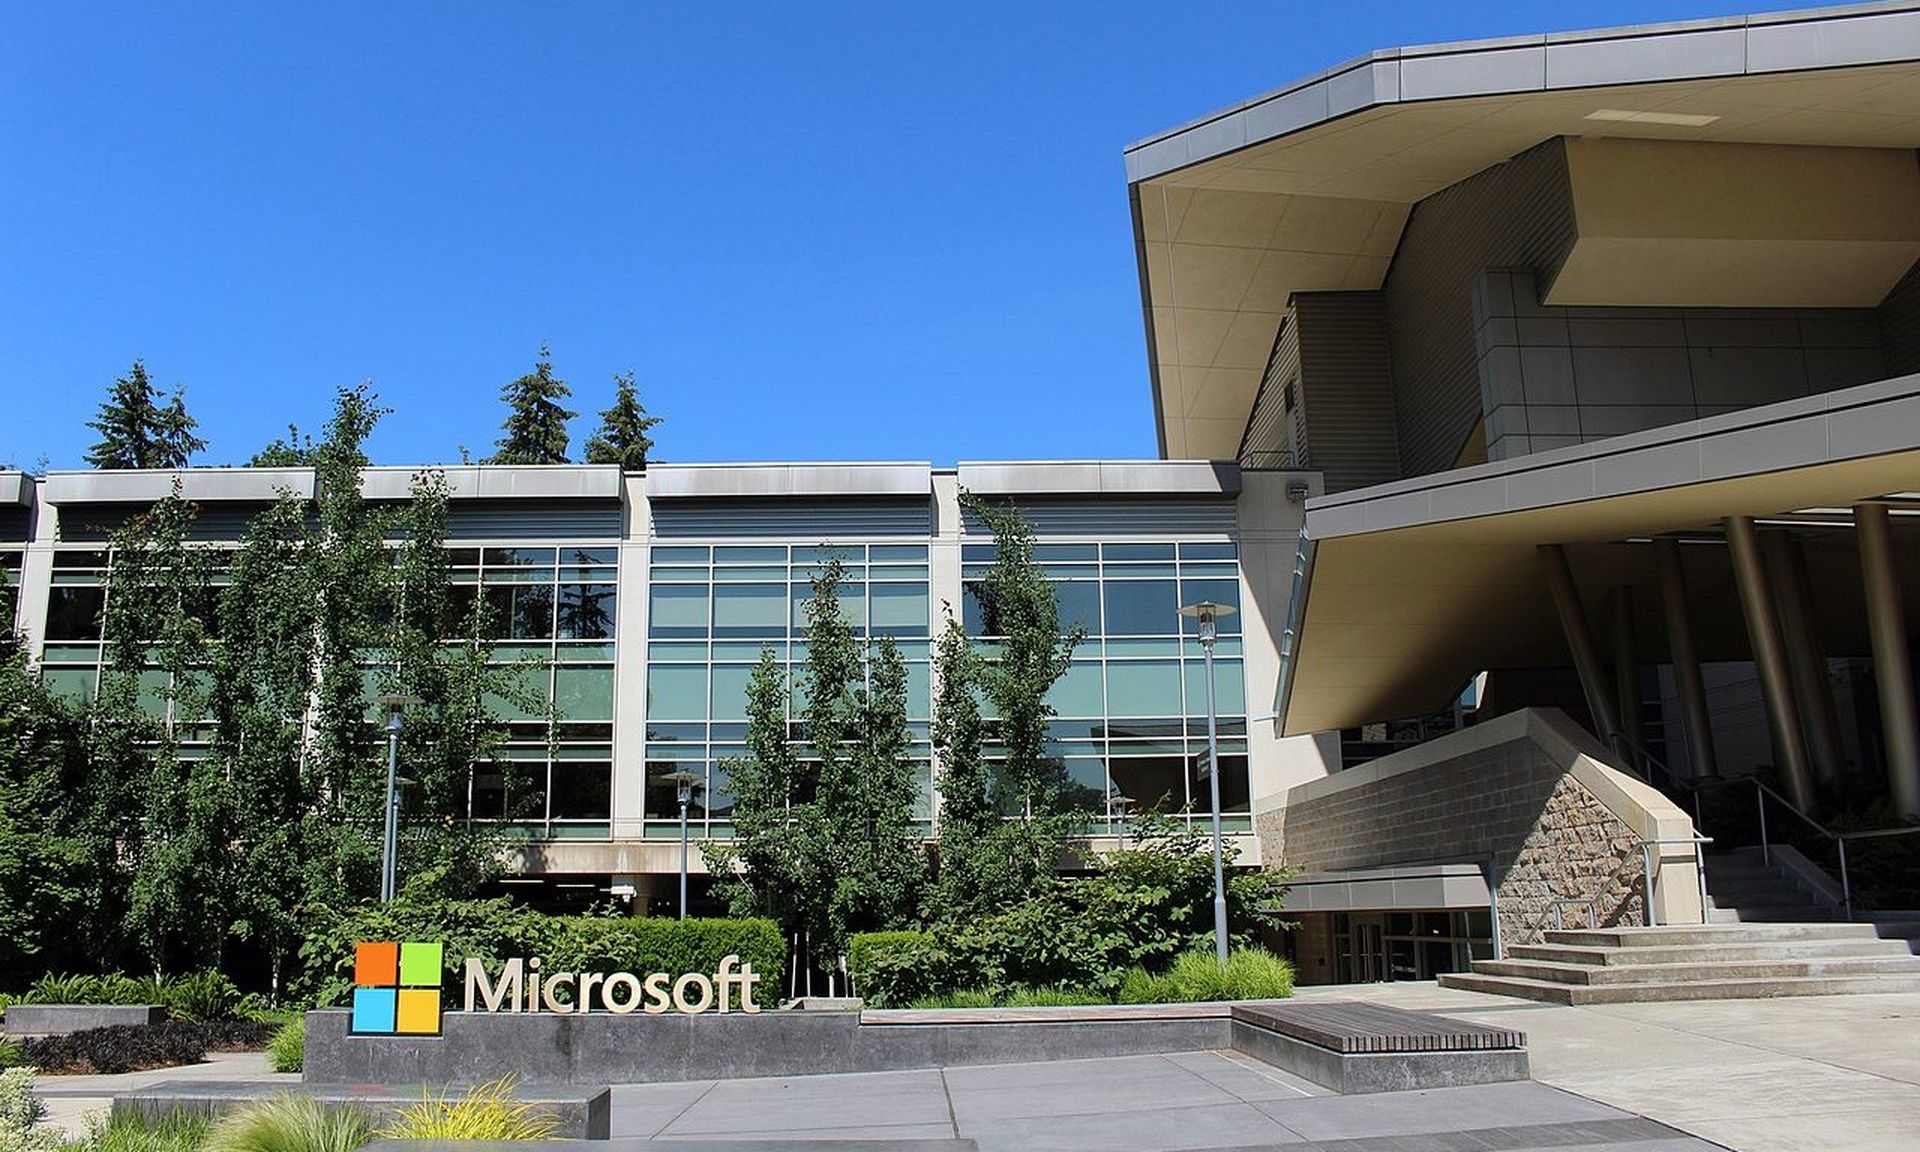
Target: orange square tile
{"type": "Point", "coordinates": [419, 1012]}
{"type": "Point", "coordinates": [376, 965]}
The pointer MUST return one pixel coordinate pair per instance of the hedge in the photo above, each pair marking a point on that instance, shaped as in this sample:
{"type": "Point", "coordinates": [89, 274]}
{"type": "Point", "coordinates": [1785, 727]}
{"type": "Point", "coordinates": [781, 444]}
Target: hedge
{"type": "Point", "coordinates": [602, 944]}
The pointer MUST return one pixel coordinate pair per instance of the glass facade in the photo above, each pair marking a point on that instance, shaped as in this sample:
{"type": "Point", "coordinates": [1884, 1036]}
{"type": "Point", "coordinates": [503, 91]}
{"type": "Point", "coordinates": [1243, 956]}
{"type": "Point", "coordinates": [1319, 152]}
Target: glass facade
{"type": "Point", "coordinates": [1132, 708]}
{"type": "Point", "coordinates": [713, 609]}
{"type": "Point", "coordinates": [10, 563]}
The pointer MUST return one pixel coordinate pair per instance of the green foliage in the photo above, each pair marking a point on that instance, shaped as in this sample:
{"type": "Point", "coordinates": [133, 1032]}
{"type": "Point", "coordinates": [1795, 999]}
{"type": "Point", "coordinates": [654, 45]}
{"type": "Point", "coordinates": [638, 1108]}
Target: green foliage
{"type": "Point", "coordinates": [622, 438]}
{"type": "Point", "coordinates": [133, 1132]}
{"type": "Point", "coordinates": [824, 840]}
{"type": "Point", "coordinates": [964, 998]}
{"type": "Point", "coordinates": [1141, 908]}
{"type": "Point", "coordinates": [20, 1115]}
{"type": "Point", "coordinates": [137, 431]}
{"type": "Point", "coordinates": [287, 1051]}
{"type": "Point", "coordinates": [289, 1124]}
{"type": "Point", "coordinates": [1249, 974]}
{"type": "Point", "coordinates": [535, 431]}
{"type": "Point", "coordinates": [494, 930]}
{"type": "Point", "coordinates": [485, 1112]}
{"type": "Point", "coordinates": [296, 451]}
{"type": "Point", "coordinates": [10, 1054]}
{"type": "Point", "coordinates": [1011, 998]}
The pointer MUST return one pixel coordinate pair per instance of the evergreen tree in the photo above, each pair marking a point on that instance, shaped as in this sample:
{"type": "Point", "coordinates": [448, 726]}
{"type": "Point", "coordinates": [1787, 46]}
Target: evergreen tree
{"type": "Point", "coordinates": [296, 451]}
{"type": "Point", "coordinates": [536, 425]}
{"type": "Point", "coordinates": [137, 431]}
{"type": "Point", "coordinates": [622, 438]}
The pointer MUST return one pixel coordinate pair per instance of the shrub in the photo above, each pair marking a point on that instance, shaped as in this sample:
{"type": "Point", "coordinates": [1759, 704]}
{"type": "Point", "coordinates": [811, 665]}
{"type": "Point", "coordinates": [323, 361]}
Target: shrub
{"type": "Point", "coordinates": [289, 1124]}
{"type": "Point", "coordinates": [1249, 974]}
{"type": "Point", "coordinates": [893, 968]}
{"type": "Point", "coordinates": [20, 1115]}
{"type": "Point", "coordinates": [647, 944]}
{"type": "Point", "coordinates": [10, 1054]}
{"type": "Point", "coordinates": [1053, 998]}
{"type": "Point", "coordinates": [486, 1112]}
{"type": "Point", "coordinates": [200, 996]}
{"type": "Point", "coordinates": [287, 1051]}
{"type": "Point", "coordinates": [966, 998]}
{"type": "Point", "coordinates": [133, 1047]}
{"type": "Point", "coordinates": [132, 1132]}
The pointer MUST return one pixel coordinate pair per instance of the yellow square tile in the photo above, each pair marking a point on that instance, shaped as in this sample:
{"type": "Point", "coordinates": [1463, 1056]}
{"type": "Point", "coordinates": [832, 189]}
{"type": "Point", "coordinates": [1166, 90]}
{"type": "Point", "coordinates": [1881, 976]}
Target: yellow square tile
{"type": "Point", "coordinates": [419, 1012]}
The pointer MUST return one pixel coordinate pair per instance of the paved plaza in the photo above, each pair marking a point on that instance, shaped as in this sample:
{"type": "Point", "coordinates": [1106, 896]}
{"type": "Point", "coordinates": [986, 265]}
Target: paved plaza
{"type": "Point", "coordinates": [1795, 1075]}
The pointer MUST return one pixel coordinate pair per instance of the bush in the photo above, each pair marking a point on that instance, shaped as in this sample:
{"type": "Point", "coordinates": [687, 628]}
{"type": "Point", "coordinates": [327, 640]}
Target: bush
{"type": "Point", "coordinates": [289, 1124]}
{"type": "Point", "coordinates": [1053, 998]}
{"type": "Point", "coordinates": [894, 968]}
{"type": "Point", "coordinates": [287, 1051]}
{"type": "Point", "coordinates": [486, 1112]}
{"type": "Point", "coordinates": [647, 944]}
{"type": "Point", "coordinates": [966, 998]}
{"type": "Point", "coordinates": [197, 996]}
{"type": "Point", "coordinates": [1249, 974]}
{"type": "Point", "coordinates": [200, 996]}
{"type": "Point", "coordinates": [132, 1132]}
{"type": "Point", "coordinates": [10, 1054]}
{"type": "Point", "coordinates": [20, 1115]}
{"type": "Point", "coordinates": [133, 1047]}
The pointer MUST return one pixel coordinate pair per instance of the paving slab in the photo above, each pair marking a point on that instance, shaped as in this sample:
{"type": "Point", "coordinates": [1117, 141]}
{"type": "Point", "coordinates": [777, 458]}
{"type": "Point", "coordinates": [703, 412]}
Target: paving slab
{"type": "Point", "coordinates": [1169, 1129]}
{"type": "Point", "coordinates": [1471, 1108]}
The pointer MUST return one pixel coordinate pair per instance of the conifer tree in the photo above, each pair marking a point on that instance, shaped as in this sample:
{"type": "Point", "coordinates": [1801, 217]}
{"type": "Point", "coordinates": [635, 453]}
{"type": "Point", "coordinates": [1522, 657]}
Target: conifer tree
{"type": "Point", "coordinates": [622, 438]}
{"type": "Point", "coordinates": [137, 431]}
{"type": "Point", "coordinates": [536, 425]}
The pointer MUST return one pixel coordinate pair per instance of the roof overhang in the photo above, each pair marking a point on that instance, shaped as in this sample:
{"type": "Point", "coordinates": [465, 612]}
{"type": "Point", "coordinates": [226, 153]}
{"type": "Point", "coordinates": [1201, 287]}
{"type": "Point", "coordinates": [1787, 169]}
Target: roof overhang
{"type": "Point", "coordinates": [1412, 587]}
{"type": "Point", "coordinates": [1307, 188]}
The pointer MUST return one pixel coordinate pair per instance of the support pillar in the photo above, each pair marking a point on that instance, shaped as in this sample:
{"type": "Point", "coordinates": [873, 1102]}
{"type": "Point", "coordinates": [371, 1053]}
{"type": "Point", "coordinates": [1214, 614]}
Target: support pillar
{"type": "Point", "coordinates": [1686, 660]}
{"type": "Point", "coordinates": [1626, 672]}
{"type": "Point", "coordinates": [1770, 659]}
{"type": "Point", "coordinates": [1892, 663]}
{"type": "Point", "coordinates": [1793, 593]}
{"type": "Point", "coordinates": [1586, 657]}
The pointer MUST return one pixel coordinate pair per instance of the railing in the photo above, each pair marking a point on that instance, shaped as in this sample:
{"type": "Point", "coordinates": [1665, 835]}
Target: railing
{"type": "Point", "coordinates": [1761, 793]}
{"type": "Point", "coordinates": [1650, 848]}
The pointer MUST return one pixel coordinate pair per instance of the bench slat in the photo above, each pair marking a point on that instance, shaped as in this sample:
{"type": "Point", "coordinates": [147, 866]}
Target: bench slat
{"type": "Point", "coordinates": [1350, 1028]}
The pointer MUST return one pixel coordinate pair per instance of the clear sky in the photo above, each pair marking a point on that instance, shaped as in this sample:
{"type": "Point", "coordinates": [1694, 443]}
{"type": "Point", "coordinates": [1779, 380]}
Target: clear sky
{"type": "Point", "coordinates": [893, 231]}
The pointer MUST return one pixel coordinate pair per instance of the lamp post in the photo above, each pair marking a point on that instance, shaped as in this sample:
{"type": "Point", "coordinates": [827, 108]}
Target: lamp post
{"type": "Point", "coordinates": [1207, 615]}
{"type": "Point", "coordinates": [684, 782]}
{"type": "Point", "coordinates": [1117, 803]}
{"type": "Point", "coordinates": [390, 843]}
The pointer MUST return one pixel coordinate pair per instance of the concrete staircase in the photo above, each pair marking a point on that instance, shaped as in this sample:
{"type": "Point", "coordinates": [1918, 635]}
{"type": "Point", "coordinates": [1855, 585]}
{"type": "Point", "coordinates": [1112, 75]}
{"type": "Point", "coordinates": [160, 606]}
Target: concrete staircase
{"type": "Point", "coordinates": [1742, 888]}
{"type": "Point", "coordinates": [1703, 962]}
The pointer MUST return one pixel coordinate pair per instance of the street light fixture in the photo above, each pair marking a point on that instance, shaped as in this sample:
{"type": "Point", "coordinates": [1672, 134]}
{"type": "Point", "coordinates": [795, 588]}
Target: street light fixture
{"type": "Point", "coordinates": [1207, 614]}
{"type": "Point", "coordinates": [684, 783]}
{"type": "Point", "coordinates": [395, 704]}
{"type": "Point", "coordinates": [1117, 803]}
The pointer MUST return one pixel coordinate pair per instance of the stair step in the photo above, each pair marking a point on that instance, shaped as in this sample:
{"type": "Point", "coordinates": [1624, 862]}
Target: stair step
{"type": "Point", "coordinates": [1707, 953]}
{"type": "Point", "coordinates": [1678, 934]}
{"type": "Point", "coordinates": [1556, 993]}
{"type": "Point", "coordinates": [1697, 971]}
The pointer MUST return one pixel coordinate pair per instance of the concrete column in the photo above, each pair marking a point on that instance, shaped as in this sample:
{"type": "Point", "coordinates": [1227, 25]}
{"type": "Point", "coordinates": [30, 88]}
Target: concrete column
{"type": "Point", "coordinates": [1793, 591]}
{"type": "Point", "coordinates": [630, 668]}
{"type": "Point", "coordinates": [1626, 672]}
{"type": "Point", "coordinates": [1586, 657]}
{"type": "Point", "coordinates": [1686, 660]}
{"type": "Point", "coordinates": [1770, 659]}
{"type": "Point", "coordinates": [36, 577]}
{"type": "Point", "coordinates": [1892, 663]}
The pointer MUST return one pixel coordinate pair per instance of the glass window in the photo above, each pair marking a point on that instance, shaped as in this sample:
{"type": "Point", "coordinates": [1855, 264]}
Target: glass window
{"type": "Point", "coordinates": [751, 554]}
{"type": "Point", "coordinates": [678, 610]}
{"type": "Point", "coordinates": [1142, 608]}
{"type": "Point", "coordinates": [677, 692]}
{"type": "Point", "coordinates": [730, 691]}
{"type": "Point", "coordinates": [1207, 552]}
{"type": "Point", "coordinates": [1217, 591]}
{"type": "Point", "coordinates": [1078, 693]}
{"type": "Point", "coordinates": [1230, 692]}
{"type": "Point", "coordinates": [582, 791]}
{"type": "Point", "coordinates": [533, 612]}
{"type": "Point", "coordinates": [590, 557]}
{"type": "Point", "coordinates": [1233, 782]}
{"type": "Point", "coordinates": [1079, 602]}
{"type": "Point", "coordinates": [587, 611]}
{"type": "Point", "coordinates": [583, 693]}
{"type": "Point", "coordinates": [679, 555]}
{"type": "Point", "coordinates": [900, 609]}
{"type": "Point", "coordinates": [1139, 552]}
{"type": "Point", "coordinates": [749, 610]}
{"type": "Point", "coordinates": [1143, 688]}
{"type": "Point", "coordinates": [852, 599]}
{"type": "Point", "coordinates": [73, 612]}
{"type": "Point", "coordinates": [1153, 783]}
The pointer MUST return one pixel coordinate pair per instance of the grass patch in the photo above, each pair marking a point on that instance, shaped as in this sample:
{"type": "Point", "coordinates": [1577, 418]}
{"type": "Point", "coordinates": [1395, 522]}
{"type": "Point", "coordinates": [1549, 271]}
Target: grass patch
{"type": "Point", "coordinates": [485, 1112]}
{"type": "Point", "coordinates": [1249, 974]}
{"type": "Point", "coordinates": [287, 1051]}
{"type": "Point", "coordinates": [289, 1124]}
{"type": "Point", "coordinates": [132, 1132]}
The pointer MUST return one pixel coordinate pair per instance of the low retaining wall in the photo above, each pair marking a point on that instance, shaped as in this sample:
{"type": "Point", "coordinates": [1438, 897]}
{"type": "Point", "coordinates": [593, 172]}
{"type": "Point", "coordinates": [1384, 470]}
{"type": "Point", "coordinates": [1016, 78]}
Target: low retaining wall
{"type": "Point", "coordinates": [601, 1048]}
{"type": "Point", "coordinates": [581, 1113]}
{"type": "Point", "coordinates": [60, 1019]}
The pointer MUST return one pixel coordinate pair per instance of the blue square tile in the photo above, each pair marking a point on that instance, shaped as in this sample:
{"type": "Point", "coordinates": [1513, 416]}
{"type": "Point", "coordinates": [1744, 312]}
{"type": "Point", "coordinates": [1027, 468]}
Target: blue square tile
{"type": "Point", "coordinates": [374, 1009]}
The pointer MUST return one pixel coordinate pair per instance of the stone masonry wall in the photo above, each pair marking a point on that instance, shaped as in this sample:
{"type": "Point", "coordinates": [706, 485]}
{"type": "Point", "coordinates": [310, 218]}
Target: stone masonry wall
{"type": "Point", "coordinates": [1548, 836]}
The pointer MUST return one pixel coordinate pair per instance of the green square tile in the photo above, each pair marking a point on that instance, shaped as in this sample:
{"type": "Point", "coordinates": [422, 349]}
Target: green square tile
{"type": "Point", "coordinates": [420, 965]}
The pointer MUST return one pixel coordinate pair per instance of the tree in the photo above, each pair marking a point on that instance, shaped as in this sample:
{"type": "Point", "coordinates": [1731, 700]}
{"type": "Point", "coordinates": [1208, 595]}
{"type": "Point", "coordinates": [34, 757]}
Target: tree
{"type": "Point", "coordinates": [622, 438]}
{"type": "Point", "coordinates": [137, 431]}
{"type": "Point", "coordinates": [296, 451]}
{"type": "Point", "coordinates": [824, 840]}
{"type": "Point", "coordinates": [536, 425]}
{"type": "Point", "coordinates": [988, 861]}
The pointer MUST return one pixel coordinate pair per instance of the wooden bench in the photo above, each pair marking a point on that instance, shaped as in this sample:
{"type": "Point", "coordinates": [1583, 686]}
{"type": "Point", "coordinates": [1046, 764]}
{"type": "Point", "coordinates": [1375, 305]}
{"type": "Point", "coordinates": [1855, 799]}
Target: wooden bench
{"type": "Point", "coordinates": [1354, 1047]}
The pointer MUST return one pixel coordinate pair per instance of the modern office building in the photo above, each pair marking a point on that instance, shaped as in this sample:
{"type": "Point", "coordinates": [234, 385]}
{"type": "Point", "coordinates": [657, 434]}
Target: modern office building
{"type": "Point", "coordinates": [1547, 407]}
{"type": "Point", "coordinates": [1603, 345]}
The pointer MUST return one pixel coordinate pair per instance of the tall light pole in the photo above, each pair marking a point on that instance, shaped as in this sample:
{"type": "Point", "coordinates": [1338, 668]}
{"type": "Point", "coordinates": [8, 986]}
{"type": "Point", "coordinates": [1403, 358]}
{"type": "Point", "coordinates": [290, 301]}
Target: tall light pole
{"type": "Point", "coordinates": [1207, 614]}
{"type": "Point", "coordinates": [684, 782]}
{"type": "Point", "coordinates": [390, 842]}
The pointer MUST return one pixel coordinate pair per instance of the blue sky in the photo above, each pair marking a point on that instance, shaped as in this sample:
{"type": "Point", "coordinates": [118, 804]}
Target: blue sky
{"type": "Point", "coordinates": [835, 232]}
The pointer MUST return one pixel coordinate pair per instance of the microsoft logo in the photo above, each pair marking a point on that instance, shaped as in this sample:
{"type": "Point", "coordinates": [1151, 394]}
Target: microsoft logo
{"type": "Point", "coordinates": [396, 989]}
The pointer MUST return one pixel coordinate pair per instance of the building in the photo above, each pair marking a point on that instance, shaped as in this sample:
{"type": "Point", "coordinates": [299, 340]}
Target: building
{"type": "Point", "coordinates": [647, 599]}
{"type": "Point", "coordinates": [1548, 407]}
{"type": "Point", "coordinates": [1603, 344]}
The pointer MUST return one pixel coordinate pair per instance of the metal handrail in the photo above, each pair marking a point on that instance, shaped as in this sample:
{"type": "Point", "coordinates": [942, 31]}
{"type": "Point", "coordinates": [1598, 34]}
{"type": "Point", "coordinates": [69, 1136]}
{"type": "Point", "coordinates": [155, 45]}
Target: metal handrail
{"type": "Point", "coordinates": [1840, 841]}
{"type": "Point", "coordinates": [1699, 869]}
{"type": "Point", "coordinates": [1593, 910]}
